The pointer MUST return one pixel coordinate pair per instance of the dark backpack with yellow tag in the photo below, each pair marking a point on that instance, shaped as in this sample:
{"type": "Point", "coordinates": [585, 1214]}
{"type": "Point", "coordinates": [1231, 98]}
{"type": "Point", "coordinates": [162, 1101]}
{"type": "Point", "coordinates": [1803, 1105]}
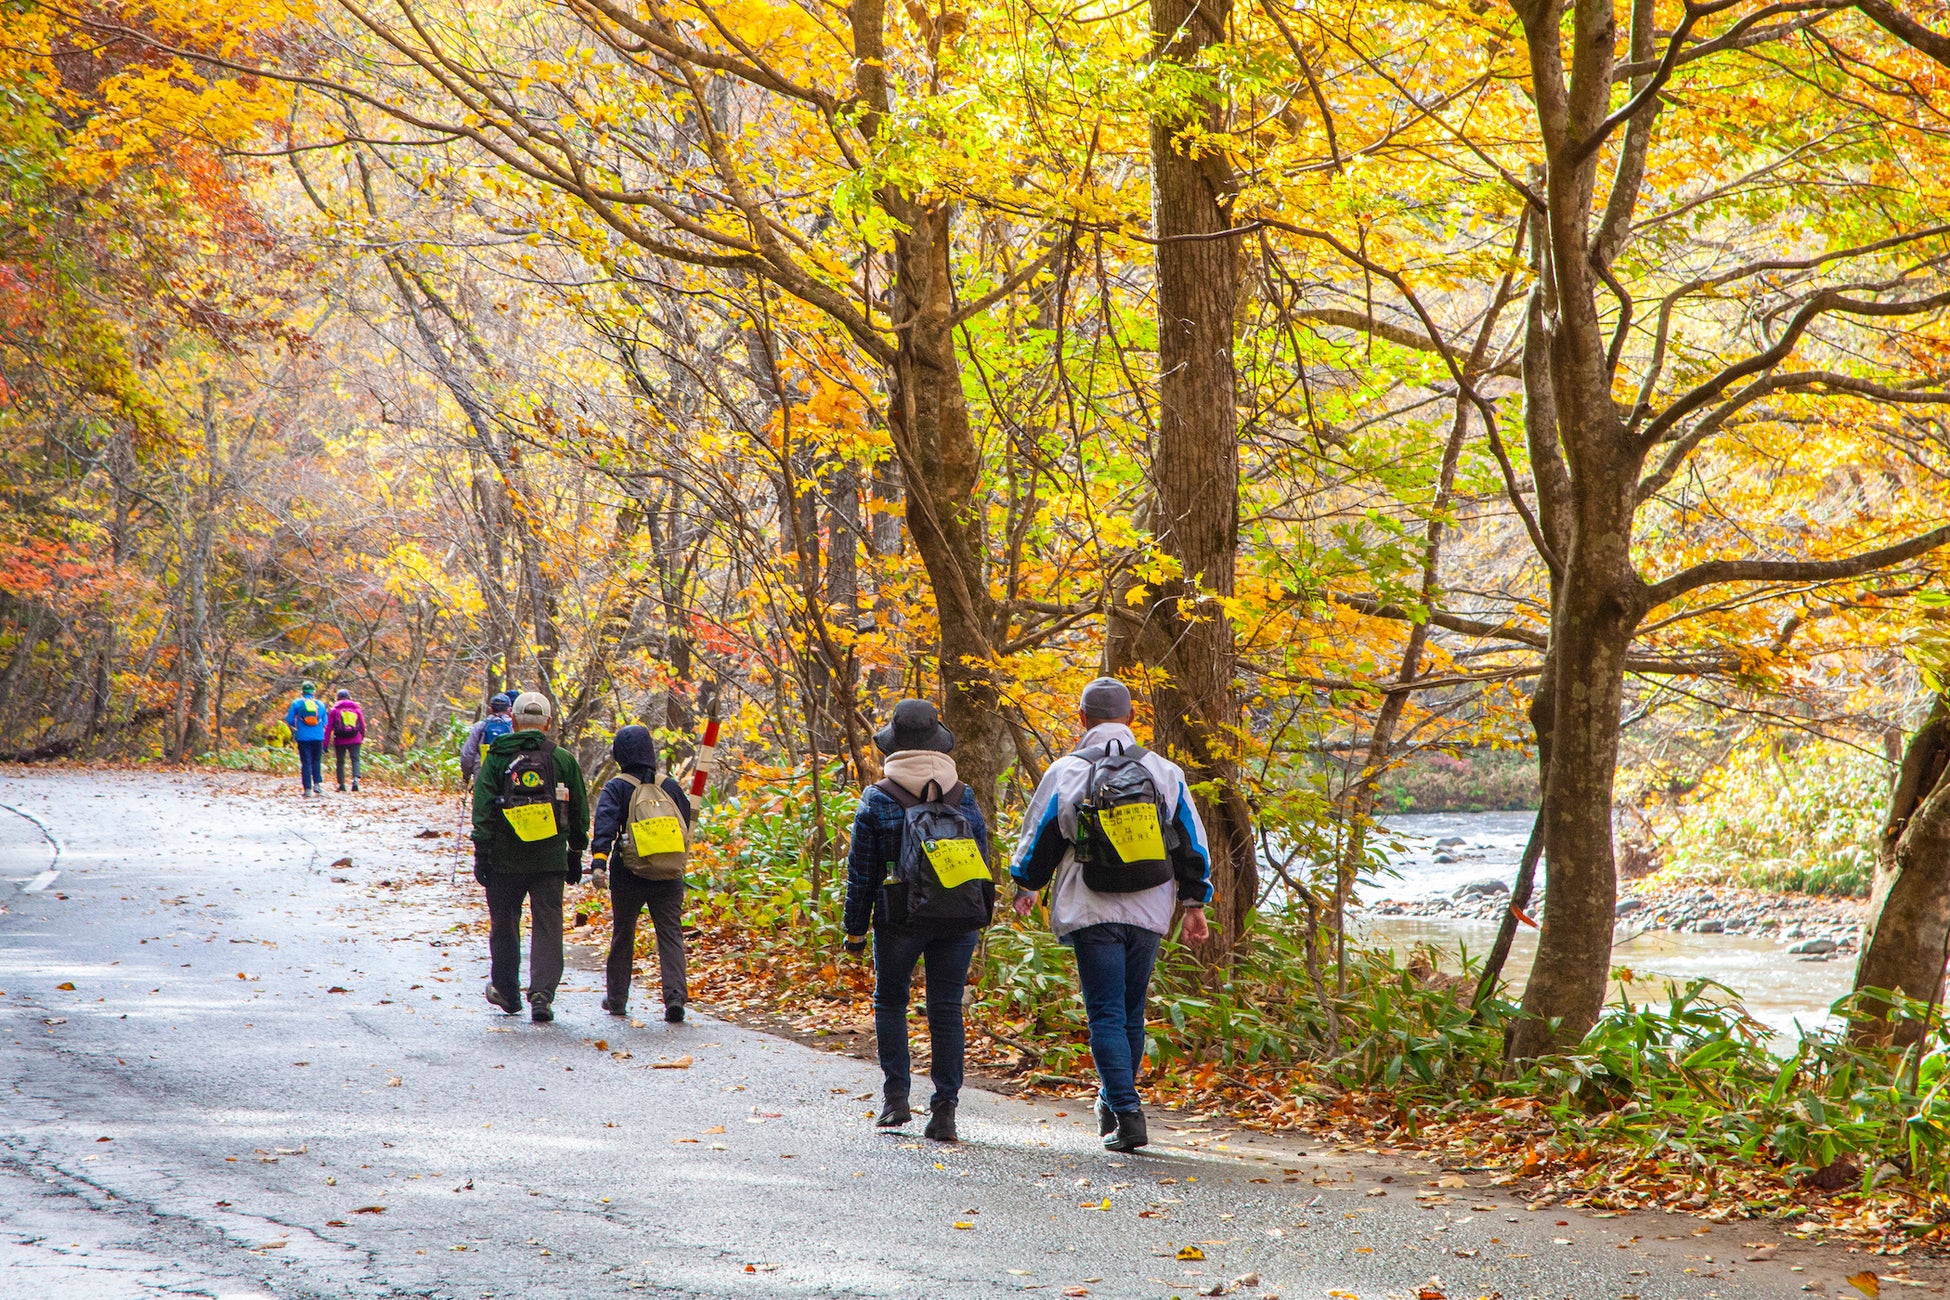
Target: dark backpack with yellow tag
{"type": "Point", "coordinates": [527, 798]}
{"type": "Point", "coordinates": [1124, 834]}
{"type": "Point", "coordinates": [655, 841]}
{"type": "Point", "coordinates": [942, 879]}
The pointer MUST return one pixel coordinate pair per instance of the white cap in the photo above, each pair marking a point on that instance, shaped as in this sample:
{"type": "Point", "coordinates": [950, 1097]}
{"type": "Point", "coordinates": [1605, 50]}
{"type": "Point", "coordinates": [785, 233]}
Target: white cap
{"type": "Point", "coordinates": [531, 706]}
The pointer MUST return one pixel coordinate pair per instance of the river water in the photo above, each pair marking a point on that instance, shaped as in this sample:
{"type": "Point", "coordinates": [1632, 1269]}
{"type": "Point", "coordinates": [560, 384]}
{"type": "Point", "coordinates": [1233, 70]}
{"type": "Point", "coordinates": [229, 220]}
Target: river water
{"type": "Point", "coordinates": [1779, 990]}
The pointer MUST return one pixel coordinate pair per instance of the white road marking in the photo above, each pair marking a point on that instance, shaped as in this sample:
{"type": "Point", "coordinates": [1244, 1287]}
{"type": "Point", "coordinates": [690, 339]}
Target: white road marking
{"type": "Point", "coordinates": [40, 882]}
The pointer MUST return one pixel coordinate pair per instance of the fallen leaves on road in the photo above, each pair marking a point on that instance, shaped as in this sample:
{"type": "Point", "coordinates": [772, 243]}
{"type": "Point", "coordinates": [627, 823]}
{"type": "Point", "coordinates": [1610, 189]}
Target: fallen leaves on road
{"type": "Point", "coordinates": [338, 989]}
{"type": "Point", "coordinates": [68, 987]}
{"type": "Point", "coordinates": [1762, 1253]}
{"type": "Point", "coordinates": [1190, 1252]}
{"type": "Point", "coordinates": [1866, 1282]}
{"type": "Point", "coordinates": [681, 1063]}
{"type": "Point", "coordinates": [370, 1209]}
{"type": "Point", "coordinates": [963, 1224]}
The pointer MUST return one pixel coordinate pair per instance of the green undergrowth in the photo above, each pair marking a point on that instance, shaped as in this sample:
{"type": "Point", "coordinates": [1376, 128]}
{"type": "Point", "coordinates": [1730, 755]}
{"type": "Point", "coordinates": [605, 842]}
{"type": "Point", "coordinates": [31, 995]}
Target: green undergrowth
{"type": "Point", "coordinates": [435, 761]}
{"type": "Point", "coordinates": [1802, 819]}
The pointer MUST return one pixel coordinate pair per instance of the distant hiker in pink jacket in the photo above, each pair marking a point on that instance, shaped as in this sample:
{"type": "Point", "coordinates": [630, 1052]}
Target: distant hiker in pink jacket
{"type": "Point", "coordinates": [345, 731]}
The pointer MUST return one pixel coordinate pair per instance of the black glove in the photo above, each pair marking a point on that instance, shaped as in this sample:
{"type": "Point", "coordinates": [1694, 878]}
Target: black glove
{"type": "Point", "coordinates": [483, 862]}
{"type": "Point", "coordinates": [575, 866]}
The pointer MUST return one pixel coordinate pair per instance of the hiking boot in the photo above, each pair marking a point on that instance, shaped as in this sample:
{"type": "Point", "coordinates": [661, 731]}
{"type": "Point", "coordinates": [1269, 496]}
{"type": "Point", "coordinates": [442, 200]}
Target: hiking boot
{"type": "Point", "coordinates": [1106, 1118]}
{"type": "Point", "coordinates": [941, 1122]}
{"type": "Point", "coordinates": [341, 789]}
{"type": "Point", "coordinates": [674, 1015]}
{"type": "Point", "coordinates": [1130, 1134]}
{"type": "Point", "coordinates": [355, 787]}
{"type": "Point", "coordinates": [894, 1111]}
{"type": "Point", "coordinates": [616, 1006]}
{"type": "Point", "coordinates": [506, 1001]}
{"type": "Point", "coordinates": [540, 1010]}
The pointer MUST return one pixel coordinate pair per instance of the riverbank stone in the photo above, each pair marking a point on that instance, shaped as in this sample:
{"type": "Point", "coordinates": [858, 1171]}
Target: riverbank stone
{"type": "Point", "coordinates": [1481, 888]}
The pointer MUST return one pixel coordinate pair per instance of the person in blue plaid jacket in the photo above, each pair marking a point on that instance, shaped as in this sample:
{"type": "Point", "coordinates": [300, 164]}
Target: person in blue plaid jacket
{"type": "Point", "coordinates": [917, 746]}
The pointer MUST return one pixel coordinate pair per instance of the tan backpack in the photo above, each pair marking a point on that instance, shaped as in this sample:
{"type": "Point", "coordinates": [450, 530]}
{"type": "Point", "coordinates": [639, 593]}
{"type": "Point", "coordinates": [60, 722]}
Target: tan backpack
{"type": "Point", "coordinates": [655, 842]}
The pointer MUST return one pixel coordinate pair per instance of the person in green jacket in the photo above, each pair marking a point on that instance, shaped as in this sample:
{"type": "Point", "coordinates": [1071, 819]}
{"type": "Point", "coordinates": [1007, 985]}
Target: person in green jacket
{"type": "Point", "coordinates": [531, 828]}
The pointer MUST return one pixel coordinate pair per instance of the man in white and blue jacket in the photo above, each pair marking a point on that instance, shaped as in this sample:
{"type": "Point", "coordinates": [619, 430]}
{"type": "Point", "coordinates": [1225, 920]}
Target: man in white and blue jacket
{"type": "Point", "coordinates": [1115, 936]}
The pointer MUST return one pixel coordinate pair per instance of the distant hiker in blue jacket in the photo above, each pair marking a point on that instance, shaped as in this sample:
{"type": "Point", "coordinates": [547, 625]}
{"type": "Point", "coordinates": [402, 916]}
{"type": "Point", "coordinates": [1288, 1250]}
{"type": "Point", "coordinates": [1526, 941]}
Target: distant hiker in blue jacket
{"type": "Point", "coordinates": [306, 718]}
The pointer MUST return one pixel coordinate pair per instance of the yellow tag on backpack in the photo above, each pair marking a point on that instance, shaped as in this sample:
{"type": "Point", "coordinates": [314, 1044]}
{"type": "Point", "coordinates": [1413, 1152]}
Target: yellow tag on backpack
{"type": "Point", "coordinates": [531, 821]}
{"type": "Point", "coordinates": [1134, 831]}
{"type": "Point", "coordinates": [955, 862]}
{"type": "Point", "coordinates": [657, 835]}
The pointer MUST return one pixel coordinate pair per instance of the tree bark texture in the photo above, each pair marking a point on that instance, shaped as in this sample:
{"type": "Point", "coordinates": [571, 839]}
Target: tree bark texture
{"type": "Point", "coordinates": [1908, 936]}
{"type": "Point", "coordinates": [1195, 461]}
{"type": "Point", "coordinates": [940, 464]}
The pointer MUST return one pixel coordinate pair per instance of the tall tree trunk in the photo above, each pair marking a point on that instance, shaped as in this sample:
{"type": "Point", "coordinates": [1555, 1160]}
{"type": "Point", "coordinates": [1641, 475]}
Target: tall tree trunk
{"type": "Point", "coordinates": [928, 420]}
{"type": "Point", "coordinates": [1195, 465]}
{"type": "Point", "coordinates": [1908, 936]}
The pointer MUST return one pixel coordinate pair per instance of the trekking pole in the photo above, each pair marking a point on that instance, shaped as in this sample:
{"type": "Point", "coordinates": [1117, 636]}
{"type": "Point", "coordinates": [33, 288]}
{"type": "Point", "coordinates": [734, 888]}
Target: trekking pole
{"type": "Point", "coordinates": [460, 838]}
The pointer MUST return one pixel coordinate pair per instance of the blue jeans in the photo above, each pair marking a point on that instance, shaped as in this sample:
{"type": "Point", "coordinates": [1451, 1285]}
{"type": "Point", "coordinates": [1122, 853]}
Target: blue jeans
{"type": "Point", "coordinates": [895, 950]}
{"type": "Point", "coordinates": [1114, 963]}
{"type": "Point", "coordinates": [311, 755]}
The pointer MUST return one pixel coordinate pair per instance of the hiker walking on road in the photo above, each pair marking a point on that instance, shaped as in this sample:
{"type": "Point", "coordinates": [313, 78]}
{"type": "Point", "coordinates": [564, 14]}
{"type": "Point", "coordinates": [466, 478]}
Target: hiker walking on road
{"type": "Point", "coordinates": [918, 876]}
{"type": "Point", "coordinates": [643, 827]}
{"type": "Point", "coordinates": [345, 734]}
{"type": "Point", "coordinates": [484, 733]}
{"type": "Point", "coordinates": [306, 718]}
{"type": "Point", "coordinates": [1113, 825]}
{"type": "Point", "coordinates": [531, 826]}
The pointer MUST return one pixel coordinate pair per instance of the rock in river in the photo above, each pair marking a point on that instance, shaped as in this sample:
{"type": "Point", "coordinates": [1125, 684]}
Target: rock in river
{"type": "Point", "coordinates": [1814, 947]}
{"type": "Point", "coordinates": [1478, 888]}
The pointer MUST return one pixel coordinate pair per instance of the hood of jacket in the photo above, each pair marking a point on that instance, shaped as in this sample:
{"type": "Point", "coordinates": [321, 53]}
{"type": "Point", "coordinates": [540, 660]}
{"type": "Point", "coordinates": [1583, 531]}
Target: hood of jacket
{"type": "Point", "coordinates": [912, 769]}
{"type": "Point", "coordinates": [1105, 732]}
{"type": "Point", "coordinates": [634, 747]}
{"type": "Point", "coordinates": [516, 741]}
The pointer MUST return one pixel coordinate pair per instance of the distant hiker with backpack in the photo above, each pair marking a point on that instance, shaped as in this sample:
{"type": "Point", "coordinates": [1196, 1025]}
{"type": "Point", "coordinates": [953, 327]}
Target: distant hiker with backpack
{"type": "Point", "coordinates": [484, 733]}
{"type": "Point", "coordinates": [306, 718]}
{"type": "Point", "coordinates": [918, 876]}
{"type": "Point", "coordinates": [531, 826]}
{"type": "Point", "coordinates": [1113, 825]}
{"type": "Point", "coordinates": [641, 847]}
{"type": "Point", "coordinates": [345, 733]}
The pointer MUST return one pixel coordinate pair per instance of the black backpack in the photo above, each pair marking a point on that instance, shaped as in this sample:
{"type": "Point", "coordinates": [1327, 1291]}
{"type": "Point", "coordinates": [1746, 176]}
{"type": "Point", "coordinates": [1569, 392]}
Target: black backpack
{"type": "Point", "coordinates": [941, 877]}
{"type": "Point", "coordinates": [1124, 832]}
{"type": "Point", "coordinates": [527, 798]}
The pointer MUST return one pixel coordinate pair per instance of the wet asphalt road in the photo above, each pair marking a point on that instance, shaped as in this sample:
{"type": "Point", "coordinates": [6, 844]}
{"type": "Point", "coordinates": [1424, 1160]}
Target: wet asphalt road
{"type": "Point", "coordinates": [274, 1076]}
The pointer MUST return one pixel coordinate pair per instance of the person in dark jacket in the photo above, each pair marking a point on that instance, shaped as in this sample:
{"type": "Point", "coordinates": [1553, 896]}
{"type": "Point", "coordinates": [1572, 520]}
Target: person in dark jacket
{"type": "Point", "coordinates": [635, 753]}
{"type": "Point", "coordinates": [513, 869]}
{"type": "Point", "coordinates": [345, 732]}
{"type": "Point", "coordinates": [917, 747]}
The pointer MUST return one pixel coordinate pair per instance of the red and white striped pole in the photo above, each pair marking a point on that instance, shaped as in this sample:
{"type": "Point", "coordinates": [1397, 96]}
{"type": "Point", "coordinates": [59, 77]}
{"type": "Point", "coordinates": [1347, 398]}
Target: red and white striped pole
{"type": "Point", "coordinates": [706, 762]}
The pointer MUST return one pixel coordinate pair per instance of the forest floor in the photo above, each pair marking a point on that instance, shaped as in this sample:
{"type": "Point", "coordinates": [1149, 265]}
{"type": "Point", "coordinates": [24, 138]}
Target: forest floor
{"type": "Point", "coordinates": [174, 944]}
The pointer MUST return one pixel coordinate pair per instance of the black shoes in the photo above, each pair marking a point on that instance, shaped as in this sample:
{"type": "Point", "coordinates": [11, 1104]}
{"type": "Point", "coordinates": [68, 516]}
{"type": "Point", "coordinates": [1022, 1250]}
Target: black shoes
{"type": "Point", "coordinates": [1106, 1118]}
{"type": "Point", "coordinates": [616, 1007]}
{"type": "Point", "coordinates": [540, 1010]}
{"type": "Point", "coordinates": [941, 1122]}
{"type": "Point", "coordinates": [355, 787]}
{"type": "Point", "coordinates": [506, 1001]}
{"type": "Point", "coordinates": [674, 1015]}
{"type": "Point", "coordinates": [894, 1111]}
{"type": "Point", "coordinates": [1128, 1134]}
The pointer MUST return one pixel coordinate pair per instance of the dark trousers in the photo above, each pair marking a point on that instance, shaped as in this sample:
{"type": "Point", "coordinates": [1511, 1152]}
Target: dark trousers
{"type": "Point", "coordinates": [629, 894]}
{"type": "Point", "coordinates": [342, 751]}
{"type": "Point", "coordinates": [895, 950]}
{"type": "Point", "coordinates": [543, 892]}
{"type": "Point", "coordinates": [1114, 964]}
{"type": "Point", "coordinates": [311, 754]}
